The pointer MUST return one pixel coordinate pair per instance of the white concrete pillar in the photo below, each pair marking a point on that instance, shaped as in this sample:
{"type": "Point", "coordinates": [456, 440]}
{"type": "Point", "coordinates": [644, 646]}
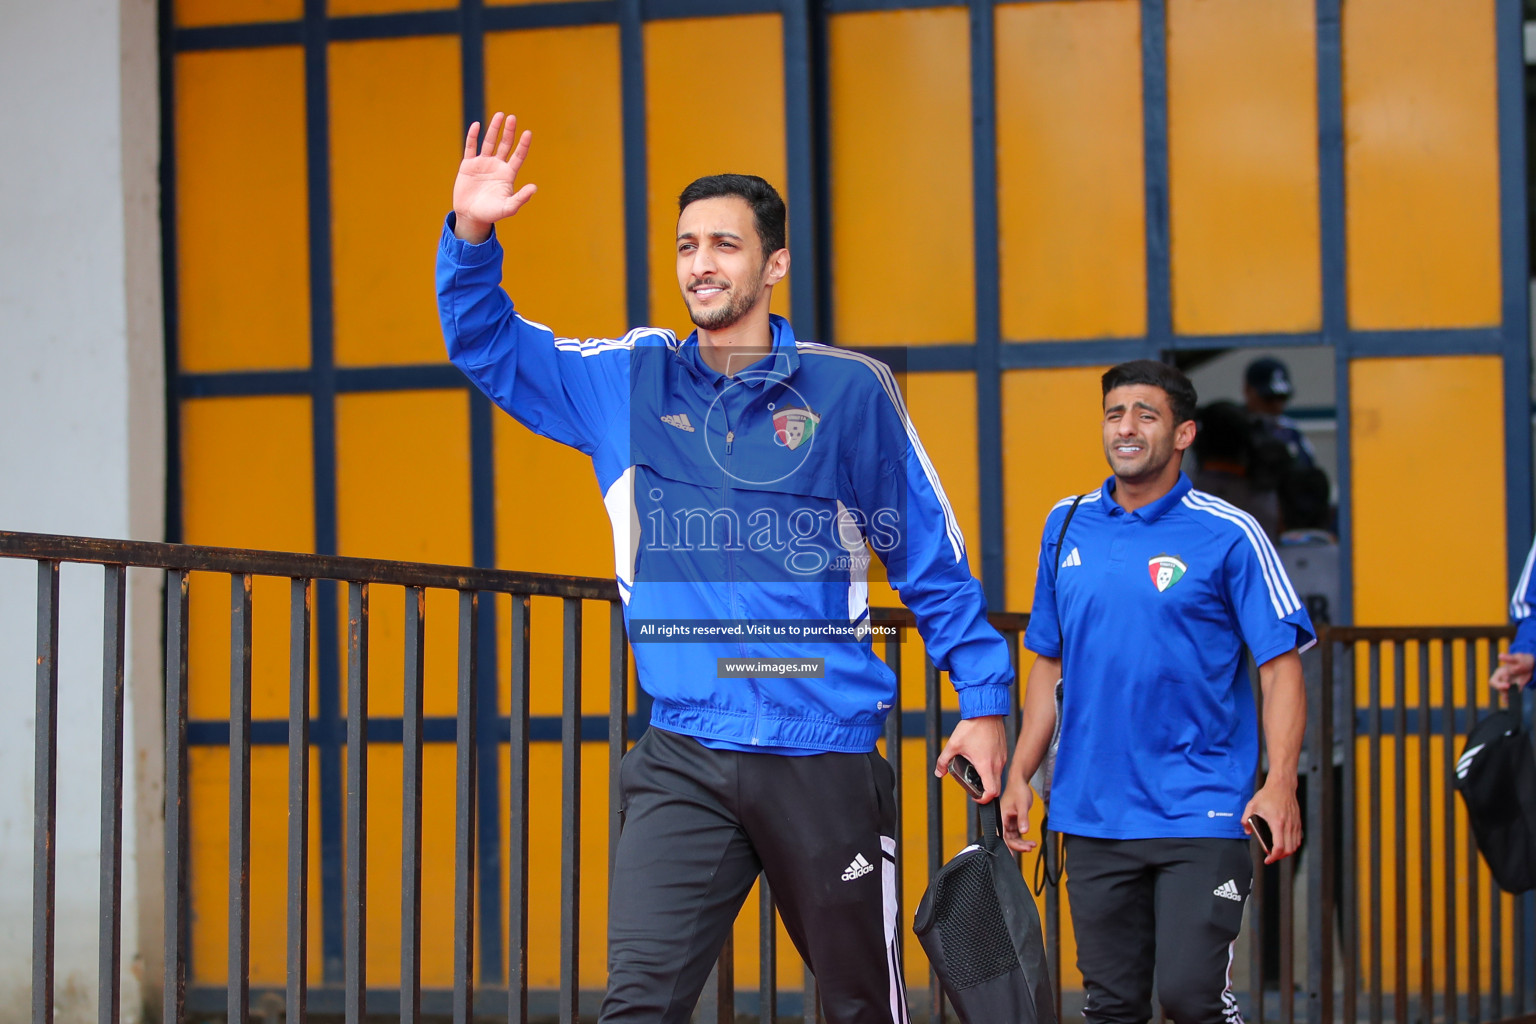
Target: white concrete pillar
{"type": "Point", "coordinates": [82, 451]}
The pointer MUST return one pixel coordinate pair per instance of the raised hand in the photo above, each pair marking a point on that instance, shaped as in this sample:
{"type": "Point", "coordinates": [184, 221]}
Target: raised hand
{"type": "Point", "coordinates": [486, 189]}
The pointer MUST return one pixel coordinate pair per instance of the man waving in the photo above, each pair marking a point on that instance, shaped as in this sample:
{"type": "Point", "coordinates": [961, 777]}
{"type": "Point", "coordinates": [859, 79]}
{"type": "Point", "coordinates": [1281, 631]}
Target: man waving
{"type": "Point", "coordinates": [746, 474]}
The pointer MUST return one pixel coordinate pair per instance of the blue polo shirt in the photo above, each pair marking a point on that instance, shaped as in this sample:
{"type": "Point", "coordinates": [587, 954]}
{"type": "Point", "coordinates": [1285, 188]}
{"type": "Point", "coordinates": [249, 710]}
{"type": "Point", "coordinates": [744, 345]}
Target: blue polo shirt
{"type": "Point", "coordinates": [1159, 735]}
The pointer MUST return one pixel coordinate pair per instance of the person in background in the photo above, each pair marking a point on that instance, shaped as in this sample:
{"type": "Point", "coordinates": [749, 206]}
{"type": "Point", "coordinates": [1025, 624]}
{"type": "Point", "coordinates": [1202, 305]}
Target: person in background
{"type": "Point", "coordinates": [1266, 391]}
{"type": "Point", "coordinates": [1515, 666]}
{"type": "Point", "coordinates": [1225, 454]}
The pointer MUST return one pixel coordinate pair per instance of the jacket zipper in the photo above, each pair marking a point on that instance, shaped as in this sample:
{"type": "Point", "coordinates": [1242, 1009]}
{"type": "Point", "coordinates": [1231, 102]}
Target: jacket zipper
{"type": "Point", "coordinates": [730, 561]}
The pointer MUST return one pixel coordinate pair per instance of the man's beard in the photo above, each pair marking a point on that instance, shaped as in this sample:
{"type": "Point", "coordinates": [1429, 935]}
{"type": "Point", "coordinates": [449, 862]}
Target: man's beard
{"type": "Point", "coordinates": [738, 304]}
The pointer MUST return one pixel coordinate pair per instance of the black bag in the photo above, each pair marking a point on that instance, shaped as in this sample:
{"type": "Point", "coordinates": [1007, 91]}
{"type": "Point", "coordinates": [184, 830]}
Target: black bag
{"type": "Point", "coordinates": [1496, 775]}
{"type": "Point", "coordinates": [978, 924]}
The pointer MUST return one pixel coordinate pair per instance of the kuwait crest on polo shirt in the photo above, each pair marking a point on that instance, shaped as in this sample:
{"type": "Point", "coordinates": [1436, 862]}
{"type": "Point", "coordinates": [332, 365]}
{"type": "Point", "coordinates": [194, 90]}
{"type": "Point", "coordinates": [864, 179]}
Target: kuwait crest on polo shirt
{"type": "Point", "coordinates": [794, 427]}
{"type": "Point", "coordinates": [1166, 570]}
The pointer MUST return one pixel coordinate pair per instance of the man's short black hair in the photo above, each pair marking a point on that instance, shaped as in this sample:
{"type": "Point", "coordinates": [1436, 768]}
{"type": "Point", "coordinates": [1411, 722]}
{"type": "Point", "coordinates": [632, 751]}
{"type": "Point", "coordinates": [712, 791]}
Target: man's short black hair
{"type": "Point", "coordinates": [1181, 393]}
{"type": "Point", "coordinates": [767, 206]}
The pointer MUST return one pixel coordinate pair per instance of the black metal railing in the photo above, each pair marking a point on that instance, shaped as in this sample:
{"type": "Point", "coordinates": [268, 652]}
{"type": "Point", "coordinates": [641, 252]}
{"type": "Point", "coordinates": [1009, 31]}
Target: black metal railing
{"type": "Point", "coordinates": [1422, 932]}
{"type": "Point", "coordinates": [352, 998]}
{"type": "Point", "coordinates": [1407, 889]}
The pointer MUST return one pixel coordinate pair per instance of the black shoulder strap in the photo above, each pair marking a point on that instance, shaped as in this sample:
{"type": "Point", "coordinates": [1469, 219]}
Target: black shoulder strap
{"type": "Point", "coordinates": [1061, 536]}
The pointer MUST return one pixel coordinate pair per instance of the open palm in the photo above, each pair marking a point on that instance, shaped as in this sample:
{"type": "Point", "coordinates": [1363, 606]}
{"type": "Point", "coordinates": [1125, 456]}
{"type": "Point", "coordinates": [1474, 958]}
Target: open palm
{"type": "Point", "coordinates": [486, 189]}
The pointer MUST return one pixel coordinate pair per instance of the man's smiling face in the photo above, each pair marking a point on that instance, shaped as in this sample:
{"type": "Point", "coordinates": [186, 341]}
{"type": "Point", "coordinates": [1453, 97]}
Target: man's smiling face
{"type": "Point", "coordinates": [721, 266]}
{"type": "Point", "coordinates": [1140, 435]}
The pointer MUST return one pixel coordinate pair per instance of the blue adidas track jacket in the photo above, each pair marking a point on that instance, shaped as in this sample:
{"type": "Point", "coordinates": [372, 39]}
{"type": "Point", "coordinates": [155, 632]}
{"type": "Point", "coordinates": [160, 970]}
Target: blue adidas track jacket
{"type": "Point", "coordinates": [746, 499]}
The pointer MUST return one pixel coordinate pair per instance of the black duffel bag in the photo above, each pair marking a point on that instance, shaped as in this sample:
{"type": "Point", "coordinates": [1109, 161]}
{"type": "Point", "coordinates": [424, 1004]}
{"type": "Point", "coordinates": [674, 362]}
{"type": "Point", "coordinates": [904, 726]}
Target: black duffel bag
{"type": "Point", "coordinates": [978, 924]}
{"type": "Point", "coordinates": [1496, 776]}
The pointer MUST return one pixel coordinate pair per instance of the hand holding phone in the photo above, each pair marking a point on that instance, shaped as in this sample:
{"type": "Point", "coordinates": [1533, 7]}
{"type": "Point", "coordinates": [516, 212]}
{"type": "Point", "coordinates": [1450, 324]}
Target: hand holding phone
{"type": "Point", "coordinates": [1261, 831]}
{"type": "Point", "coordinates": [966, 774]}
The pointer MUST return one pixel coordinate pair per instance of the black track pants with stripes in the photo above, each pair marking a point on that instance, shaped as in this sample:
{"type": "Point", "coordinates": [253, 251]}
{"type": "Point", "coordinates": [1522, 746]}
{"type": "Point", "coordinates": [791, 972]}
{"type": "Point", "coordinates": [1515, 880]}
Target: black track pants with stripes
{"type": "Point", "coordinates": [1170, 905]}
{"type": "Point", "coordinates": [698, 826]}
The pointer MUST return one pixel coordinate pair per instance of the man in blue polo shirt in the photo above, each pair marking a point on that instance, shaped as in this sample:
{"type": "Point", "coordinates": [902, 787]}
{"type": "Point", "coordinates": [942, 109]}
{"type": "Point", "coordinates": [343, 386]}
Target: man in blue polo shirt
{"type": "Point", "coordinates": [1144, 607]}
{"type": "Point", "coordinates": [1515, 667]}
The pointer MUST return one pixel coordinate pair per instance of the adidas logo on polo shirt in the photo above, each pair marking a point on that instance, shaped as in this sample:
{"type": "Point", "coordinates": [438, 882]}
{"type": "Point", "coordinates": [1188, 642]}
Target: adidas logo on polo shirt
{"type": "Point", "coordinates": [1228, 891]}
{"type": "Point", "coordinates": [678, 420]}
{"type": "Point", "coordinates": [857, 868]}
{"type": "Point", "coordinates": [1073, 558]}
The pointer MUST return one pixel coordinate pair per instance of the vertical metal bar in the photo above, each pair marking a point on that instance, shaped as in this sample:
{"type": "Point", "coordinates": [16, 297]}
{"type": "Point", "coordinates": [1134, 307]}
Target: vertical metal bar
{"type": "Point", "coordinates": [110, 948]}
{"type": "Point", "coordinates": [618, 725]}
{"type": "Point", "coordinates": [1399, 831]}
{"type": "Point", "coordinates": [45, 790]}
{"type": "Point", "coordinates": [1495, 940]}
{"type": "Point", "coordinates": [1320, 866]}
{"type": "Point", "coordinates": [355, 995]}
{"type": "Point", "coordinates": [1448, 768]}
{"type": "Point", "coordinates": [1287, 943]}
{"type": "Point", "coordinates": [1349, 882]}
{"type": "Point", "coordinates": [811, 1009]}
{"type": "Point", "coordinates": [238, 983]}
{"type": "Point", "coordinates": [174, 994]}
{"type": "Point", "coordinates": [413, 707]}
{"type": "Point", "coordinates": [1474, 864]}
{"type": "Point", "coordinates": [1375, 799]}
{"type": "Point", "coordinates": [464, 823]}
{"type": "Point", "coordinates": [1426, 849]}
{"type": "Point", "coordinates": [1258, 910]}
{"type": "Point", "coordinates": [570, 819]}
{"type": "Point", "coordinates": [300, 602]}
{"type": "Point", "coordinates": [718, 1000]}
{"type": "Point", "coordinates": [893, 743]}
{"type": "Point", "coordinates": [1261, 898]}
{"type": "Point", "coordinates": [768, 954]}
{"type": "Point", "coordinates": [517, 799]}
{"type": "Point", "coordinates": [933, 735]}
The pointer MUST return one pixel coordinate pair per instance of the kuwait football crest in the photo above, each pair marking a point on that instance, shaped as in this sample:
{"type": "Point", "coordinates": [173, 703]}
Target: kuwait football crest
{"type": "Point", "coordinates": [794, 427]}
{"type": "Point", "coordinates": [1165, 570]}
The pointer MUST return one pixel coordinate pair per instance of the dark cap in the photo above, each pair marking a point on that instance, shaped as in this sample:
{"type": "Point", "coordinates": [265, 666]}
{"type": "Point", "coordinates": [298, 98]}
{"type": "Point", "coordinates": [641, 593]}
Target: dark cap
{"type": "Point", "coordinates": [1269, 377]}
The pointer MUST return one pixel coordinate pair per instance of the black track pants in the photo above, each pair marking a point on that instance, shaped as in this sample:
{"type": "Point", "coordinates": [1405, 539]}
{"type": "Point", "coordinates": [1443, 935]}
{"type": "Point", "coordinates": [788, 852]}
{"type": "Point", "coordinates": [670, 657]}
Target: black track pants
{"type": "Point", "coordinates": [1173, 905]}
{"type": "Point", "coordinates": [699, 824]}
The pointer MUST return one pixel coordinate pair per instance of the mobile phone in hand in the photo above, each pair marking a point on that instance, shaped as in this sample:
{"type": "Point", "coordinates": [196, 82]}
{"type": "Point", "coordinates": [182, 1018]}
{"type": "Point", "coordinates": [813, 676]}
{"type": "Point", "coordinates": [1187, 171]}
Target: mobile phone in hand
{"type": "Point", "coordinates": [1262, 833]}
{"type": "Point", "coordinates": [966, 774]}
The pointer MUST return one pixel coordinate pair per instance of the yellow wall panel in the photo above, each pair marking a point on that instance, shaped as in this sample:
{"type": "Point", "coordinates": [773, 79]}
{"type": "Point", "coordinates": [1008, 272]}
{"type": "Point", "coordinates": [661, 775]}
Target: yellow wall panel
{"type": "Point", "coordinates": [247, 477]}
{"type": "Point", "coordinates": [247, 482]}
{"type": "Point", "coordinates": [741, 133]}
{"type": "Point", "coordinates": [1421, 163]}
{"type": "Point", "coordinates": [1069, 170]}
{"type": "Point", "coordinates": [402, 476]}
{"type": "Point", "coordinates": [1053, 447]}
{"type": "Point", "coordinates": [943, 409]}
{"type": "Point", "coordinates": [1242, 149]}
{"type": "Point", "coordinates": [241, 217]}
{"type": "Point", "coordinates": [901, 177]}
{"type": "Point", "coordinates": [396, 140]}
{"type": "Point", "coordinates": [549, 511]}
{"type": "Point", "coordinates": [544, 882]}
{"type": "Point", "coordinates": [208, 832]}
{"type": "Point", "coordinates": [1426, 437]}
{"type": "Point", "coordinates": [565, 250]}
{"type": "Point", "coordinates": [191, 13]}
{"type": "Point", "coordinates": [385, 843]}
